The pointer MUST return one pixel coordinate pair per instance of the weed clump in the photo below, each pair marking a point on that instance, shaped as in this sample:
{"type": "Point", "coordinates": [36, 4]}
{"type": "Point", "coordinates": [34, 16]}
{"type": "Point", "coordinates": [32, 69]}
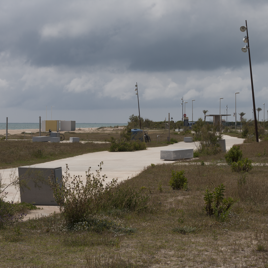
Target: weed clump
{"type": "Point", "coordinates": [244, 165]}
{"type": "Point", "coordinates": [79, 202]}
{"type": "Point", "coordinates": [233, 155]}
{"type": "Point", "coordinates": [178, 180]}
{"type": "Point", "coordinates": [124, 145]}
{"type": "Point", "coordinates": [215, 203]}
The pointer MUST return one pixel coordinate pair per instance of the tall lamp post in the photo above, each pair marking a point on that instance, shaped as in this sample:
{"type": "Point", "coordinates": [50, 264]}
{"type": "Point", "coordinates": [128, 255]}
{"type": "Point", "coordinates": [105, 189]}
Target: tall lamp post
{"type": "Point", "coordinates": [226, 113]}
{"type": "Point", "coordinates": [182, 109]}
{"type": "Point", "coordinates": [185, 107]}
{"type": "Point", "coordinates": [220, 113]}
{"type": "Point", "coordinates": [235, 109]}
{"type": "Point", "coordinates": [192, 111]}
{"type": "Point", "coordinates": [137, 93]}
{"type": "Point", "coordinates": [264, 113]}
{"type": "Point", "coordinates": [247, 49]}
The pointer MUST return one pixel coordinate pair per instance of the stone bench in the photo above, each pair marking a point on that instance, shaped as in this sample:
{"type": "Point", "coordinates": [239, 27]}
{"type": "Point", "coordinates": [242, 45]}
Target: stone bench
{"type": "Point", "coordinates": [74, 139]}
{"type": "Point", "coordinates": [188, 139]}
{"type": "Point", "coordinates": [54, 139]}
{"type": "Point", "coordinates": [222, 144]}
{"type": "Point", "coordinates": [176, 154]}
{"type": "Point", "coordinates": [41, 139]}
{"type": "Point", "coordinates": [35, 187]}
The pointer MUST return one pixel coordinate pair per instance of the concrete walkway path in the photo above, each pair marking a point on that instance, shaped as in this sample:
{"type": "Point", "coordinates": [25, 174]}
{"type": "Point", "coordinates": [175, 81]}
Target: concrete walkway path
{"type": "Point", "coordinates": [120, 165]}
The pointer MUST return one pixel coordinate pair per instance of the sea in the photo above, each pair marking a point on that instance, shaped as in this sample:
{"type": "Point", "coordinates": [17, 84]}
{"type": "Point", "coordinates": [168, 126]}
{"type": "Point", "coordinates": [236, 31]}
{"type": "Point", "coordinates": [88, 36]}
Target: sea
{"type": "Point", "coordinates": [78, 125]}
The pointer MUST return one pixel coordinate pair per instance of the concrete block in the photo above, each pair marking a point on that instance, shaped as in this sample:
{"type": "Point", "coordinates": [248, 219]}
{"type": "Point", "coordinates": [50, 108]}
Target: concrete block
{"type": "Point", "coordinates": [176, 154]}
{"type": "Point", "coordinates": [54, 139]}
{"type": "Point", "coordinates": [38, 190]}
{"type": "Point", "coordinates": [222, 144]}
{"type": "Point", "coordinates": [188, 139]}
{"type": "Point", "coordinates": [41, 139]}
{"type": "Point", "coordinates": [74, 139]}
{"type": "Point", "coordinates": [54, 134]}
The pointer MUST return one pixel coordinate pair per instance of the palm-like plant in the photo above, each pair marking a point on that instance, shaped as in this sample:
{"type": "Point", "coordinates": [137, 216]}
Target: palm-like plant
{"type": "Point", "coordinates": [205, 112]}
{"type": "Point", "coordinates": [241, 117]}
{"type": "Point", "coordinates": [259, 109]}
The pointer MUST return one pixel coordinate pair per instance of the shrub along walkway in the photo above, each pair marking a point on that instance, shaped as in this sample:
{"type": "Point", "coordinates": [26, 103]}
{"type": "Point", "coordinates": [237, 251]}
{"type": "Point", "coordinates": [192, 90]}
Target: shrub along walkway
{"type": "Point", "coordinates": [121, 165]}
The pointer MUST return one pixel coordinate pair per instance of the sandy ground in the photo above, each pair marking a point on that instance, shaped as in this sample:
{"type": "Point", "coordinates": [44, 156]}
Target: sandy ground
{"type": "Point", "coordinates": [78, 130]}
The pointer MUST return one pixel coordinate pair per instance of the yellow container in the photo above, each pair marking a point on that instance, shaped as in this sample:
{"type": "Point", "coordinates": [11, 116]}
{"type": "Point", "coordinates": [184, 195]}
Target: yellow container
{"type": "Point", "coordinates": [52, 125]}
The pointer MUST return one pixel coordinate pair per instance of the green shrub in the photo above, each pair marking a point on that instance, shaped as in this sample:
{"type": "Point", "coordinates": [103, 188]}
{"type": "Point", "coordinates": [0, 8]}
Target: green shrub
{"type": "Point", "coordinates": [178, 180]}
{"type": "Point", "coordinates": [209, 138]}
{"type": "Point", "coordinates": [244, 165]}
{"type": "Point", "coordinates": [196, 154]}
{"type": "Point", "coordinates": [124, 198]}
{"type": "Point", "coordinates": [79, 201]}
{"type": "Point", "coordinates": [126, 146]}
{"type": "Point", "coordinates": [215, 203]}
{"type": "Point", "coordinates": [10, 213]}
{"type": "Point", "coordinates": [233, 155]}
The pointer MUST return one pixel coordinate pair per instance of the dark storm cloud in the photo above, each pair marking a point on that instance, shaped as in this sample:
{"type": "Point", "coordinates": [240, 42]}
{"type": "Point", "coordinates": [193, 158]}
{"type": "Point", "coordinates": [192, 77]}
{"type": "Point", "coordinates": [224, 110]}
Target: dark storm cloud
{"type": "Point", "coordinates": [204, 37]}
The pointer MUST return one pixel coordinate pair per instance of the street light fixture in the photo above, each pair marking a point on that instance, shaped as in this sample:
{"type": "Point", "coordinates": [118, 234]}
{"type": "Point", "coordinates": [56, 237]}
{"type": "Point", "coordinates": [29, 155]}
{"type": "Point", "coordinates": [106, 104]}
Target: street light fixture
{"type": "Point", "coordinates": [192, 111]}
{"type": "Point", "coordinates": [235, 109]}
{"type": "Point", "coordinates": [185, 108]}
{"type": "Point", "coordinates": [220, 113]}
{"type": "Point", "coordinates": [264, 113]}
{"type": "Point", "coordinates": [226, 113]}
{"type": "Point", "coordinates": [137, 93]}
{"type": "Point", "coordinates": [182, 109]}
{"type": "Point", "coordinates": [245, 49]}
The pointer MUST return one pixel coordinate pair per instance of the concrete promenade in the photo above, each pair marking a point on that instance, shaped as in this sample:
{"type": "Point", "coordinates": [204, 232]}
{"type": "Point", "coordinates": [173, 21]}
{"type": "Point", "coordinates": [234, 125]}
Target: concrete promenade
{"type": "Point", "coordinates": [120, 165]}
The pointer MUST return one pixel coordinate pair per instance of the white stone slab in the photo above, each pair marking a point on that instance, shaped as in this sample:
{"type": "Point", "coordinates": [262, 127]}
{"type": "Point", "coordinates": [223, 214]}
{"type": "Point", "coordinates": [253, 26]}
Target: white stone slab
{"type": "Point", "coordinates": [176, 154]}
{"type": "Point", "coordinates": [188, 139]}
{"type": "Point", "coordinates": [74, 139]}
{"type": "Point", "coordinates": [41, 139]}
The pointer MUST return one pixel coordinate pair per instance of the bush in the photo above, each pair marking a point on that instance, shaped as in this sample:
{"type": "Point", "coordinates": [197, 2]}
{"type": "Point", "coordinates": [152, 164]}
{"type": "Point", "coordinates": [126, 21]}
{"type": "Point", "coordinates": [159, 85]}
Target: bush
{"type": "Point", "coordinates": [209, 138]}
{"type": "Point", "coordinates": [10, 213]}
{"type": "Point", "coordinates": [196, 154]}
{"type": "Point", "coordinates": [244, 165]}
{"type": "Point", "coordinates": [79, 202]}
{"type": "Point", "coordinates": [124, 198]}
{"type": "Point", "coordinates": [178, 180]}
{"type": "Point", "coordinates": [216, 204]}
{"type": "Point", "coordinates": [126, 146]}
{"type": "Point", "coordinates": [233, 155]}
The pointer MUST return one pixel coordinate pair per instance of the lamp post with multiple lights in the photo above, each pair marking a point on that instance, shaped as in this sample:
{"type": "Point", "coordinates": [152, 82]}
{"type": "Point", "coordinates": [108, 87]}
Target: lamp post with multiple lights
{"type": "Point", "coordinates": [137, 93]}
{"type": "Point", "coordinates": [235, 109]}
{"type": "Point", "coordinates": [192, 111]}
{"type": "Point", "coordinates": [220, 113]}
{"type": "Point", "coordinates": [185, 108]}
{"type": "Point", "coordinates": [247, 49]}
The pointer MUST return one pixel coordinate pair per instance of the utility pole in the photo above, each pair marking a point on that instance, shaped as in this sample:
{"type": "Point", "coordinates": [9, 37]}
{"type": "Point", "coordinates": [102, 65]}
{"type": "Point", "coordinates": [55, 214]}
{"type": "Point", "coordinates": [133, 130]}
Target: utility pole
{"type": "Point", "coordinates": [137, 93]}
{"type": "Point", "coordinates": [226, 114]}
{"type": "Point", "coordinates": [182, 109]}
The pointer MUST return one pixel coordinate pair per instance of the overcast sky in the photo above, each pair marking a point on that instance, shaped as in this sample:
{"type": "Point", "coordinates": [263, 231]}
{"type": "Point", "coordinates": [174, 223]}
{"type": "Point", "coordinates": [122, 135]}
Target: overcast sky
{"type": "Point", "coordinates": [83, 58]}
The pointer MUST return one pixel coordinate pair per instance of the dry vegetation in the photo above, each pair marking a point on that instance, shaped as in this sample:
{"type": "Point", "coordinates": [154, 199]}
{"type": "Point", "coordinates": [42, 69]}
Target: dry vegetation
{"type": "Point", "coordinates": [16, 153]}
{"type": "Point", "coordinates": [173, 232]}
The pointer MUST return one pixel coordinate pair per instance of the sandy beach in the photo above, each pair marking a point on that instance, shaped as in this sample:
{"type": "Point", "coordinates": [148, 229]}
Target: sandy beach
{"type": "Point", "coordinates": [78, 130]}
